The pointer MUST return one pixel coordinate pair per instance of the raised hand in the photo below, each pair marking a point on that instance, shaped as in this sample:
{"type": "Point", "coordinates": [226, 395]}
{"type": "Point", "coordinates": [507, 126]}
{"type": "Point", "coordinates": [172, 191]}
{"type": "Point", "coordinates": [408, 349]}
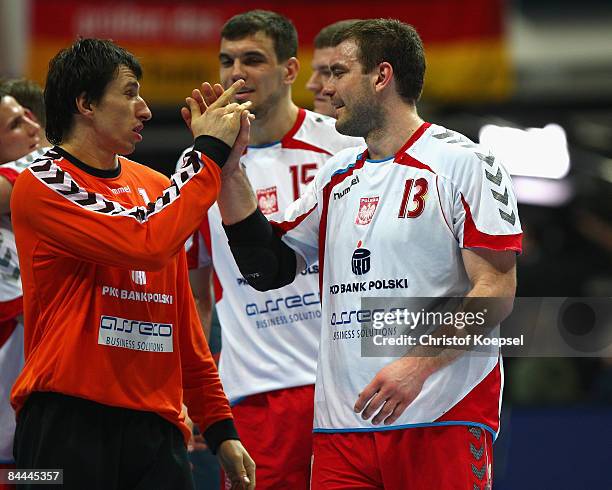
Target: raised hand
{"type": "Point", "coordinates": [220, 118]}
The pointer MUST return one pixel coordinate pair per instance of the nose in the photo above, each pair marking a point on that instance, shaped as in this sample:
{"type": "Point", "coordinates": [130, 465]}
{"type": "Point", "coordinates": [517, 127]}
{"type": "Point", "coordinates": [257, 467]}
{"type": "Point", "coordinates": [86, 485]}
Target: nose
{"type": "Point", "coordinates": [143, 112]}
{"type": "Point", "coordinates": [314, 83]}
{"type": "Point", "coordinates": [328, 88]}
{"type": "Point", "coordinates": [33, 126]}
{"type": "Point", "coordinates": [238, 72]}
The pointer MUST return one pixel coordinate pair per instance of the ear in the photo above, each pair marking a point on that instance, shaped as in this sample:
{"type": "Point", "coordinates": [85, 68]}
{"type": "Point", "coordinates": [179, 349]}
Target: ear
{"type": "Point", "coordinates": [384, 76]}
{"type": "Point", "coordinates": [84, 105]}
{"type": "Point", "coordinates": [292, 68]}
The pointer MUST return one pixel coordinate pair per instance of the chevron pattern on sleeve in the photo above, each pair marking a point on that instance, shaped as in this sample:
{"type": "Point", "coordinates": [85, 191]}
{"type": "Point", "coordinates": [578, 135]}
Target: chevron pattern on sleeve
{"type": "Point", "coordinates": [60, 181]}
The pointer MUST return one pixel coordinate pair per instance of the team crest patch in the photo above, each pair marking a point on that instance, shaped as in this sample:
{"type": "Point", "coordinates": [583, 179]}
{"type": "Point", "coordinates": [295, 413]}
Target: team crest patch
{"type": "Point", "coordinates": [267, 200]}
{"type": "Point", "coordinates": [367, 208]}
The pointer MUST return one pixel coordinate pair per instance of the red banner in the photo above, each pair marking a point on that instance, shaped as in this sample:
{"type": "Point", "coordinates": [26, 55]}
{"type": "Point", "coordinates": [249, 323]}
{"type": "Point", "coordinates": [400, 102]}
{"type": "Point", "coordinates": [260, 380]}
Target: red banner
{"type": "Point", "coordinates": [177, 42]}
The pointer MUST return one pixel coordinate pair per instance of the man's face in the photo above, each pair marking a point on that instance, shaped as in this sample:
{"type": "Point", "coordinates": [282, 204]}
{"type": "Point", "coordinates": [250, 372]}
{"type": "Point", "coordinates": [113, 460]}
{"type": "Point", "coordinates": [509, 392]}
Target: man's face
{"type": "Point", "coordinates": [351, 92]}
{"type": "Point", "coordinates": [320, 76]}
{"type": "Point", "coordinates": [19, 135]}
{"type": "Point", "coordinates": [253, 60]}
{"type": "Point", "coordinates": [118, 117]}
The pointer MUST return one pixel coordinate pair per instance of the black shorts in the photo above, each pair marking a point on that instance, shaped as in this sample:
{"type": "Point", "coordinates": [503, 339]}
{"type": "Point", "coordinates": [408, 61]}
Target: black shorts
{"type": "Point", "coordinates": [100, 447]}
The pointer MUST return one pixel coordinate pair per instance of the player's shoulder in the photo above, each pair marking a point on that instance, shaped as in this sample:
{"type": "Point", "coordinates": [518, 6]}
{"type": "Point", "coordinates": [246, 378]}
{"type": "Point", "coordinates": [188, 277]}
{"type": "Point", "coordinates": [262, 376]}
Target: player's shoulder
{"type": "Point", "coordinates": [340, 163]}
{"type": "Point", "coordinates": [142, 172]}
{"type": "Point", "coordinates": [24, 162]}
{"type": "Point", "coordinates": [451, 154]}
{"type": "Point", "coordinates": [320, 131]}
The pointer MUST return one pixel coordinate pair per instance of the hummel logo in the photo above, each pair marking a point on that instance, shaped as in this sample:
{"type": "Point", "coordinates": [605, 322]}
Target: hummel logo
{"type": "Point", "coordinates": [503, 198]}
{"type": "Point", "coordinates": [344, 192]}
{"type": "Point", "coordinates": [510, 218]}
{"type": "Point", "coordinates": [497, 178]}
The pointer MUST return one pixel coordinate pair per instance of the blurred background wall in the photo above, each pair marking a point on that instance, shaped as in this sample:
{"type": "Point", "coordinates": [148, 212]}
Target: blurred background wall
{"type": "Point", "coordinates": [531, 79]}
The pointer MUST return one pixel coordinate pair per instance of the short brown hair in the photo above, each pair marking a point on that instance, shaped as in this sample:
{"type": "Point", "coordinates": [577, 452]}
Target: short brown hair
{"type": "Point", "coordinates": [29, 95]}
{"type": "Point", "coordinates": [325, 37]}
{"type": "Point", "coordinates": [274, 25]}
{"type": "Point", "coordinates": [396, 43]}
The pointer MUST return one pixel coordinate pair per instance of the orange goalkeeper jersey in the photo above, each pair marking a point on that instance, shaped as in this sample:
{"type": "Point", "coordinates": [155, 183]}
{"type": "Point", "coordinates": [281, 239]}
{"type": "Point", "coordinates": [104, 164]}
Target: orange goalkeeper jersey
{"type": "Point", "coordinates": [109, 314]}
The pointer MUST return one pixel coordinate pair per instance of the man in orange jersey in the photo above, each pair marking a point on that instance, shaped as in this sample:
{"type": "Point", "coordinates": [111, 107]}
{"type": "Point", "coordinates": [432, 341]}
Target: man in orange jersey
{"type": "Point", "coordinates": [113, 343]}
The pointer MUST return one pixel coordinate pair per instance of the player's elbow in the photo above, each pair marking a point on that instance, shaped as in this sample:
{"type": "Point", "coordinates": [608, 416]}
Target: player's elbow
{"type": "Point", "coordinates": [262, 282]}
{"type": "Point", "coordinates": [265, 268]}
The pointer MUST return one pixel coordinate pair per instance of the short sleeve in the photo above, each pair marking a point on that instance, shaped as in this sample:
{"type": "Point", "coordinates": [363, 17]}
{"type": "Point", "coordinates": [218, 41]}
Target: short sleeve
{"type": "Point", "coordinates": [300, 228]}
{"type": "Point", "coordinates": [485, 212]}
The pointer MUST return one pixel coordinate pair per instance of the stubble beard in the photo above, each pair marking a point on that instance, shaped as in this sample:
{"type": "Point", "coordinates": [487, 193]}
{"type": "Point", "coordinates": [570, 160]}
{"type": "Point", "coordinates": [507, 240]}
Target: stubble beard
{"type": "Point", "coordinates": [264, 110]}
{"type": "Point", "coordinates": [363, 118]}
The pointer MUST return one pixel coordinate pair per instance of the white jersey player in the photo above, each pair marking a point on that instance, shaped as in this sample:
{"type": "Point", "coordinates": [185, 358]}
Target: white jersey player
{"type": "Point", "coordinates": [419, 211]}
{"type": "Point", "coordinates": [410, 215]}
{"type": "Point", "coordinates": [270, 340]}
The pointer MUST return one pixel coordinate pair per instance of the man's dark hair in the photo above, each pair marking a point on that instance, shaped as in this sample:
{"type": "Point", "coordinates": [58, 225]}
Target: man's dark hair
{"type": "Point", "coordinates": [29, 95]}
{"type": "Point", "coordinates": [325, 37]}
{"type": "Point", "coordinates": [86, 67]}
{"type": "Point", "coordinates": [396, 43]}
{"type": "Point", "coordinates": [276, 26]}
{"type": "Point", "coordinates": [4, 88]}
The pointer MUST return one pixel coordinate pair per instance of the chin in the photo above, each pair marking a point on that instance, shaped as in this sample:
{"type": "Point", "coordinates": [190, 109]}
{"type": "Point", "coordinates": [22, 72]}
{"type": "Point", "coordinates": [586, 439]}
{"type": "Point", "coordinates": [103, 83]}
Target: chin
{"type": "Point", "coordinates": [126, 150]}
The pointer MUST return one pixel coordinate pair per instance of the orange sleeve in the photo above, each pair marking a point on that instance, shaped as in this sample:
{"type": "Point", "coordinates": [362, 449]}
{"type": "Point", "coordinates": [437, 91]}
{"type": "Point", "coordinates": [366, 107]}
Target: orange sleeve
{"type": "Point", "coordinates": [202, 390]}
{"type": "Point", "coordinates": [87, 226]}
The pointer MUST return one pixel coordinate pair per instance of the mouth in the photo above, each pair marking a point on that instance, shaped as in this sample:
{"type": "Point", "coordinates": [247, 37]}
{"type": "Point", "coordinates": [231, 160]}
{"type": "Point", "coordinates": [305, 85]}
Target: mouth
{"type": "Point", "coordinates": [244, 93]}
{"type": "Point", "coordinates": [136, 130]}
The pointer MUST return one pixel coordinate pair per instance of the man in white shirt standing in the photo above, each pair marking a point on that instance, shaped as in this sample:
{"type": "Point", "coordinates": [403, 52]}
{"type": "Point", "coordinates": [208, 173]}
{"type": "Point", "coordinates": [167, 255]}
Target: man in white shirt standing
{"type": "Point", "coordinates": [419, 211]}
{"type": "Point", "coordinates": [269, 340]}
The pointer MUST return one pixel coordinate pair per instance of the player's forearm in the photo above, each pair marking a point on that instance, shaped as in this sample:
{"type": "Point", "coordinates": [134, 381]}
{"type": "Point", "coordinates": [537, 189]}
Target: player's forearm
{"type": "Point", "coordinates": [491, 300]}
{"type": "Point", "coordinates": [264, 260]}
{"type": "Point", "coordinates": [236, 199]}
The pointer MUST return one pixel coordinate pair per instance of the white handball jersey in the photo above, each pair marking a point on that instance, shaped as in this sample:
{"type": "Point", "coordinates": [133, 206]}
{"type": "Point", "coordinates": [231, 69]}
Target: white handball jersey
{"type": "Point", "coordinates": [410, 214]}
{"type": "Point", "coordinates": [10, 279]}
{"type": "Point", "coordinates": [270, 339]}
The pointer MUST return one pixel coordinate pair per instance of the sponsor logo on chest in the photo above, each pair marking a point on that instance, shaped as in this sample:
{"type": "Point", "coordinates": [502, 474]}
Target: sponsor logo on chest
{"type": "Point", "coordinates": [135, 334]}
{"type": "Point", "coordinates": [344, 192]}
{"type": "Point", "coordinates": [121, 190]}
{"type": "Point", "coordinates": [360, 261]}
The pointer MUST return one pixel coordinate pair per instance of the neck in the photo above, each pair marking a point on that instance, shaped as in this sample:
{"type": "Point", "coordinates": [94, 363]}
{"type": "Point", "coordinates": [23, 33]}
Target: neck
{"type": "Point", "coordinates": [83, 146]}
{"type": "Point", "coordinates": [44, 142]}
{"type": "Point", "coordinates": [276, 124]}
{"type": "Point", "coordinates": [386, 141]}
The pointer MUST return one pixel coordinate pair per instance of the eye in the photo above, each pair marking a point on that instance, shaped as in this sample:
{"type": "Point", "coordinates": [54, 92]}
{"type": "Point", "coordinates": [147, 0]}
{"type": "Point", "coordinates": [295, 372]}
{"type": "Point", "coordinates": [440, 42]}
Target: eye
{"type": "Point", "coordinates": [226, 63]}
{"type": "Point", "coordinates": [253, 60]}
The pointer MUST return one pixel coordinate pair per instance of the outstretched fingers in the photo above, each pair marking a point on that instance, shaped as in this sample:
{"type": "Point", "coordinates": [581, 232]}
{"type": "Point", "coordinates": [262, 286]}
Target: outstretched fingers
{"type": "Point", "coordinates": [227, 95]}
